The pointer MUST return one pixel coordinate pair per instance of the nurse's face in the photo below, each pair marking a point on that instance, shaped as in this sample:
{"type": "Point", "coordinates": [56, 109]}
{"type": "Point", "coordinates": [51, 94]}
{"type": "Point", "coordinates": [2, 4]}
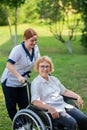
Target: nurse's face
{"type": "Point", "coordinates": [31, 42]}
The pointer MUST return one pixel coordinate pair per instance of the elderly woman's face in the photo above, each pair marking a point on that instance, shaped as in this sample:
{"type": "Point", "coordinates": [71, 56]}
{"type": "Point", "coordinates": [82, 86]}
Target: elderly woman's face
{"type": "Point", "coordinates": [44, 69]}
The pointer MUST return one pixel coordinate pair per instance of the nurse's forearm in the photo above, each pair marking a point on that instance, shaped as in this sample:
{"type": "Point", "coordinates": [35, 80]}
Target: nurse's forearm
{"type": "Point", "coordinates": [13, 70]}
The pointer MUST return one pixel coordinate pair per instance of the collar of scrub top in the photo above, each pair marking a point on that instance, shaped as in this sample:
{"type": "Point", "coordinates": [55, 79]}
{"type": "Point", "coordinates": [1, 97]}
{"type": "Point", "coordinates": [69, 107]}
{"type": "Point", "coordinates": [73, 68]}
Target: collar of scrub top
{"type": "Point", "coordinates": [27, 52]}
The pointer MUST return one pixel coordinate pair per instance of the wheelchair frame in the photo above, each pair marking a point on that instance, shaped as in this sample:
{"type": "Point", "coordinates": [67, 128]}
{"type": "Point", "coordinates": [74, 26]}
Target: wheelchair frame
{"type": "Point", "coordinates": [35, 118]}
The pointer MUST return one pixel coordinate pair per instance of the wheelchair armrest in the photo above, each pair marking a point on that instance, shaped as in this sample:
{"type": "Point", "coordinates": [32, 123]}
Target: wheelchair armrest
{"type": "Point", "coordinates": [33, 107]}
{"type": "Point", "coordinates": [71, 101]}
{"type": "Point", "coordinates": [68, 98]}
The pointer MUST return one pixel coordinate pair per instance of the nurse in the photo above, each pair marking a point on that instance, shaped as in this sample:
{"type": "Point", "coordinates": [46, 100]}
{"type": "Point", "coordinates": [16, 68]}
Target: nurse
{"type": "Point", "coordinates": [20, 62]}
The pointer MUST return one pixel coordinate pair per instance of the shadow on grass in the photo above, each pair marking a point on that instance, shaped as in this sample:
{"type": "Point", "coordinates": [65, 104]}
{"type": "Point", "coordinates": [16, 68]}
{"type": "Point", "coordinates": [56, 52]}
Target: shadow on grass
{"type": "Point", "coordinates": [48, 45]}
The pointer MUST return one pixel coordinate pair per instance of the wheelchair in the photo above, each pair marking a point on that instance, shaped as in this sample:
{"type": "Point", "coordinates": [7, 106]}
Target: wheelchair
{"type": "Point", "coordinates": [35, 118]}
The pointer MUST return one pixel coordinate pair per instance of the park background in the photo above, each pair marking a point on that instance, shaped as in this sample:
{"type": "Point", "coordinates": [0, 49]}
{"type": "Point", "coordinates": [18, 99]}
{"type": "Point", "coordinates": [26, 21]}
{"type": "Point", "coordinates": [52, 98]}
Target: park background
{"type": "Point", "coordinates": [70, 68]}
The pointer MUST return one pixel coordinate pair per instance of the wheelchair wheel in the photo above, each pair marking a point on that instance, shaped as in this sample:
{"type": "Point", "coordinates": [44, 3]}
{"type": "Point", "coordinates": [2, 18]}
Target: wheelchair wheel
{"type": "Point", "coordinates": [27, 120]}
{"type": "Point", "coordinates": [44, 116]}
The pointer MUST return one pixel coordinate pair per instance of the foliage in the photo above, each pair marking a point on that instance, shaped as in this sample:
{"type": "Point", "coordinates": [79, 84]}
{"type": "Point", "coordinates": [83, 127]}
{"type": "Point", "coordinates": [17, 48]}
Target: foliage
{"type": "Point", "coordinates": [3, 19]}
{"type": "Point", "coordinates": [81, 7]}
{"type": "Point", "coordinates": [84, 38]}
{"type": "Point", "coordinates": [26, 12]}
{"type": "Point", "coordinates": [15, 3]}
{"type": "Point", "coordinates": [29, 9]}
{"type": "Point", "coordinates": [61, 17]}
{"type": "Point", "coordinates": [84, 30]}
{"type": "Point", "coordinates": [19, 14]}
{"type": "Point", "coordinates": [48, 9]}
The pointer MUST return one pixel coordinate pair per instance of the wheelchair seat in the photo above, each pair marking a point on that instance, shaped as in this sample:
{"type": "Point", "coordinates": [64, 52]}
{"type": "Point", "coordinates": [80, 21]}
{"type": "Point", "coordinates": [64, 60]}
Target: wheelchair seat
{"type": "Point", "coordinates": [36, 118]}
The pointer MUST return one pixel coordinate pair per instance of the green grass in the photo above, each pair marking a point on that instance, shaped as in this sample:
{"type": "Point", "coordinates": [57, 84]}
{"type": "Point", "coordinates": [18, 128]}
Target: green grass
{"type": "Point", "coordinates": [70, 69]}
{"type": "Point", "coordinates": [5, 122]}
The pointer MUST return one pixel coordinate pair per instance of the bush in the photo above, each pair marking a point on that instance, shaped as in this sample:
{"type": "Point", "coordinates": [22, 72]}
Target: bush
{"type": "Point", "coordinates": [3, 19]}
{"type": "Point", "coordinates": [84, 39]}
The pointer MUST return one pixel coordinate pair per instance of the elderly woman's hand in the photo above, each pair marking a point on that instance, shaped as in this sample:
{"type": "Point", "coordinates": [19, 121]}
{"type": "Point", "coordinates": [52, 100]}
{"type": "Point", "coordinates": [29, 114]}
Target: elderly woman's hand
{"type": "Point", "coordinates": [53, 112]}
{"type": "Point", "coordinates": [80, 102]}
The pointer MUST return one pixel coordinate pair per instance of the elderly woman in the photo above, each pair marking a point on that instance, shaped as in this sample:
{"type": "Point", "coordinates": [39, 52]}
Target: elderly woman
{"type": "Point", "coordinates": [47, 92]}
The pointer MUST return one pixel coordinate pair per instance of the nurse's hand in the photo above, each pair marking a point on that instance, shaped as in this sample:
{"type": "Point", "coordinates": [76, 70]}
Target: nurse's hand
{"type": "Point", "coordinates": [21, 79]}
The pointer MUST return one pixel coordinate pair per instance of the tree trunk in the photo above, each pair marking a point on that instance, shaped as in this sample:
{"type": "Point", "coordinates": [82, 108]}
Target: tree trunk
{"type": "Point", "coordinates": [9, 21]}
{"type": "Point", "coordinates": [68, 45]}
{"type": "Point", "coordinates": [16, 40]}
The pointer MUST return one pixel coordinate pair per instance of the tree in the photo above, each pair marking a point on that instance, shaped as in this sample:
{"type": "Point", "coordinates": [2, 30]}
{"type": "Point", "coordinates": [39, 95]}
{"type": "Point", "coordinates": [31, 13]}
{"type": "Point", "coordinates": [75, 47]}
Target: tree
{"type": "Point", "coordinates": [6, 12]}
{"type": "Point", "coordinates": [14, 5]}
{"type": "Point", "coordinates": [60, 16]}
{"type": "Point", "coordinates": [81, 7]}
{"type": "Point", "coordinates": [83, 10]}
{"type": "Point", "coordinates": [3, 19]}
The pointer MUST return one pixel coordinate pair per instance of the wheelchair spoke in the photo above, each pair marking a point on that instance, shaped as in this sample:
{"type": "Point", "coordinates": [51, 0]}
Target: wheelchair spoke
{"type": "Point", "coordinates": [24, 121]}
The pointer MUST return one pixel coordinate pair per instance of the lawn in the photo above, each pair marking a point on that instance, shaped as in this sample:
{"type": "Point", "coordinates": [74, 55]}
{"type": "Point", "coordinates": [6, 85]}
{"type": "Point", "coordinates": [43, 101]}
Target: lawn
{"type": "Point", "coordinates": [70, 69]}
